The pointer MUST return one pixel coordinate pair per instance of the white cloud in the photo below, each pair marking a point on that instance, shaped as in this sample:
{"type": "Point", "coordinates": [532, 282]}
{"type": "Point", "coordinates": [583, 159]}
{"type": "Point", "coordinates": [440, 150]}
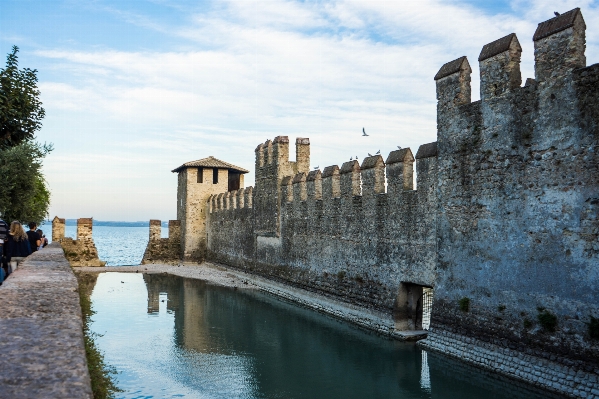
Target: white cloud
{"type": "Point", "coordinates": [255, 70]}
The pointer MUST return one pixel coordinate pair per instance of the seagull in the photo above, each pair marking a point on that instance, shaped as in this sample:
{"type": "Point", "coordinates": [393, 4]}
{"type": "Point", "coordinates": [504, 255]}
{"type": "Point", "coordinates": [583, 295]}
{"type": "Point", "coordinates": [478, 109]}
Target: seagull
{"type": "Point", "coordinates": [316, 167]}
{"type": "Point", "coordinates": [398, 147]}
{"type": "Point", "coordinates": [351, 158]}
{"type": "Point", "coordinates": [364, 132]}
{"type": "Point", "coordinates": [557, 14]}
{"type": "Point", "coordinates": [378, 152]}
{"type": "Point", "coordinates": [369, 154]}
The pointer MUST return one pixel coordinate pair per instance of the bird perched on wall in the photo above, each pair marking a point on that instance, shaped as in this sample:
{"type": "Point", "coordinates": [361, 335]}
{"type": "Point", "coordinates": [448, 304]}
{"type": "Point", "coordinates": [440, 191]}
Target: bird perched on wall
{"type": "Point", "coordinates": [557, 14]}
{"type": "Point", "coordinates": [316, 167]}
{"type": "Point", "coordinates": [398, 147]}
{"type": "Point", "coordinates": [369, 154]}
{"type": "Point", "coordinates": [364, 132]}
{"type": "Point", "coordinates": [378, 152]}
{"type": "Point", "coordinates": [351, 158]}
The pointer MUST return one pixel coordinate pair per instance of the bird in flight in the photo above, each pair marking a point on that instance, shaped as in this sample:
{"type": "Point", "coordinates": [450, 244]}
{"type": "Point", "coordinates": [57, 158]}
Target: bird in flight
{"type": "Point", "coordinates": [364, 132]}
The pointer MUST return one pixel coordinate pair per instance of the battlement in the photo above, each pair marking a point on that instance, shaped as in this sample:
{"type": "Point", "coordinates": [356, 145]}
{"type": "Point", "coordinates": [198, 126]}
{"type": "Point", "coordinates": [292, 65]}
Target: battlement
{"type": "Point", "coordinates": [373, 177]}
{"type": "Point", "coordinates": [231, 200]}
{"type": "Point", "coordinates": [272, 158]}
{"type": "Point", "coordinates": [163, 250]}
{"type": "Point", "coordinates": [507, 114]}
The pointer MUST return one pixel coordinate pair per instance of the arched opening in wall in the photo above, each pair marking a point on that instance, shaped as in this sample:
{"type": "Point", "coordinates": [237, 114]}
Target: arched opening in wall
{"type": "Point", "coordinates": [413, 307]}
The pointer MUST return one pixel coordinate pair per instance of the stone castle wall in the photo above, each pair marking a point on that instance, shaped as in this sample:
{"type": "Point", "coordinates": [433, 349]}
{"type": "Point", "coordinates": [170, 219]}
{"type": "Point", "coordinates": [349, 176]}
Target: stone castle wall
{"type": "Point", "coordinates": [79, 252]}
{"type": "Point", "coordinates": [503, 224]}
{"type": "Point", "coordinates": [518, 209]}
{"type": "Point", "coordinates": [339, 232]}
{"type": "Point", "coordinates": [163, 250]}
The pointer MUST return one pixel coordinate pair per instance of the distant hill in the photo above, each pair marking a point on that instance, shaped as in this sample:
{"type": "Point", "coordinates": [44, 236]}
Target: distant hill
{"type": "Point", "coordinates": [73, 222]}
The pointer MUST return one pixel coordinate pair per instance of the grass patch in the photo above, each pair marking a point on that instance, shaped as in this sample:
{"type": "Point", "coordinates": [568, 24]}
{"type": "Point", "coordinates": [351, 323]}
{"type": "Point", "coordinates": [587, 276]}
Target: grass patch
{"type": "Point", "coordinates": [464, 304]}
{"type": "Point", "coordinates": [547, 320]}
{"type": "Point", "coordinates": [102, 375]}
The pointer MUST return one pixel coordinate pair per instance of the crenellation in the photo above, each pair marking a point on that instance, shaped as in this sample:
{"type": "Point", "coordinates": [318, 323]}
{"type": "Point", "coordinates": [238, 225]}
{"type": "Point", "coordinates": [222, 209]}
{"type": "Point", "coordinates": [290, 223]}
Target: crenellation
{"type": "Point", "coordinates": [248, 197]}
{"type": "Point", "coordinates": [299, 187]}
{"type": "Point", "coordinates": [373, 175]}
{"type": "Point", "coordinates": [241, 198]}
{"type": "Point", "coordinates": [331, 182]}
{"type": "Point", "coordinates": [559, 46]}
{"type": "Point", "coordinates": [287, 189]}
{"type": "Point", "coordinates": [499, 64]}
{"type": "Point", "coordinates": [302, 155]}
{"type": "Point", "coordinates": [58, 228]}
{"type": "Point", "coordinates": [155, 229]}
{"type": "Point", "coordinates": [400, 171]}
{"type": "Point", "coordinates": [350, 179]}
{"type": "Point", "coordinates": [314, 184]}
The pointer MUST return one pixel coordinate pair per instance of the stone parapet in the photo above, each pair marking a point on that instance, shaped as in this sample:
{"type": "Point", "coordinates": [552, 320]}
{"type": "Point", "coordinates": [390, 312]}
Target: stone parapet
{"type": "Point", "coordinates": [41, 351]}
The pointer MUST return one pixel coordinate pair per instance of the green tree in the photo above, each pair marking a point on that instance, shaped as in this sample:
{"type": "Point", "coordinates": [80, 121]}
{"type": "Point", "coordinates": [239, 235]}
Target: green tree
{"type": "Point", "coordinates": [24, 193]}
{"type": "Point", "coordinates": [21, 111]}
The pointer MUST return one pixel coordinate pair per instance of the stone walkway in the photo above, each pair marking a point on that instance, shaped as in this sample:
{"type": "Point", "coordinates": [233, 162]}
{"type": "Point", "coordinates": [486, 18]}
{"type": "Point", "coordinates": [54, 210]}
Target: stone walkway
{"type": "Point", "coordinates": [42, 354]}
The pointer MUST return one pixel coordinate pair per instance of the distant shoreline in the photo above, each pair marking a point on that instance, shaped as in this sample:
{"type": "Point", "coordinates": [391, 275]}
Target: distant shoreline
{"type": "Point", "coordinates": [73, 222]}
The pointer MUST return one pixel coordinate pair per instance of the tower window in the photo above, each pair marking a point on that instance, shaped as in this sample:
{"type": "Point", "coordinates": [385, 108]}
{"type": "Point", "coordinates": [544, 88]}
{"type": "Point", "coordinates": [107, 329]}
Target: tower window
{"type": "Point", "coordinates": [214, 176]}
{"type": "Point", "coordinates": [200, 175]}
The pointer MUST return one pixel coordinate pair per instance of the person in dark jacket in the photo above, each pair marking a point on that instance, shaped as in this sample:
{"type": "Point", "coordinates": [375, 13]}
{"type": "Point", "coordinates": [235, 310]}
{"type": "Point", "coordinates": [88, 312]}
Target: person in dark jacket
{"type": "Point", "coordinates": [17, 246]}
{"type": "Point", "coordinates": [34, 237]}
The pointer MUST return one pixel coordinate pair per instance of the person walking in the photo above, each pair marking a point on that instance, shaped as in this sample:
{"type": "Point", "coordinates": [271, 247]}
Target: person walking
{"type": "Point", "coordinates": [3, 237]}
{"type": "Point", "coordinates": [34, 237]}
{"type": "Point", "coordinates": [18, 247]}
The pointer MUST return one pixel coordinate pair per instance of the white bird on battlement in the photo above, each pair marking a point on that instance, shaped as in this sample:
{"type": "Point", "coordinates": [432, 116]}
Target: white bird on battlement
{"type": "Point", "coordinates": [351, 158]}
{"type": "Point", "coordinates": [364, 132]}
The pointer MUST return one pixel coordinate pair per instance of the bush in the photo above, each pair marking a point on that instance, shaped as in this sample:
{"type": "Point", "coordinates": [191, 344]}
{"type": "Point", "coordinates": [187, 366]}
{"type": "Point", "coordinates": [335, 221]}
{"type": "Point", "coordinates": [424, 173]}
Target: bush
{"type": "Point", "coordinates": [464, 304]}
{"type": "Point", "coordinates": [547, 320]}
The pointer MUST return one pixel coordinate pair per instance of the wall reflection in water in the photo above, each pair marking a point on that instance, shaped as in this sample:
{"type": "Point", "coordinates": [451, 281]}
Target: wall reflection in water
{"type": "Point", "coordinates": [214, 342]}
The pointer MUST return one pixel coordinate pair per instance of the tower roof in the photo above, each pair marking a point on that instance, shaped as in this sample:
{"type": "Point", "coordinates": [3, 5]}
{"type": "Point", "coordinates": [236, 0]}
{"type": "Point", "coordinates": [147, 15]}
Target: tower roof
{"type": "Point", "coordinates": [210, 162]}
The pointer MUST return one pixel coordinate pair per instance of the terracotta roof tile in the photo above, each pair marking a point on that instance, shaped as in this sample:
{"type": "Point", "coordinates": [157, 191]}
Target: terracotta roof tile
{"type": "Point", "coordinates": [210, 162]}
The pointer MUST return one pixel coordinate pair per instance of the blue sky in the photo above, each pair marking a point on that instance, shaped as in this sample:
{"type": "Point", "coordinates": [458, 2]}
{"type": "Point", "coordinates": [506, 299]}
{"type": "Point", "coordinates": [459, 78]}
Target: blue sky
{"type": "Point", "coordinates": [133, 89]}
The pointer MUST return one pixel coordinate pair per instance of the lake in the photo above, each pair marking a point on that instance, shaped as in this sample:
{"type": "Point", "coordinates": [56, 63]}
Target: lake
{"type": "Point", "coordinates": [118, 246]}
{"type": "Point", "coordinates": [171, 337]}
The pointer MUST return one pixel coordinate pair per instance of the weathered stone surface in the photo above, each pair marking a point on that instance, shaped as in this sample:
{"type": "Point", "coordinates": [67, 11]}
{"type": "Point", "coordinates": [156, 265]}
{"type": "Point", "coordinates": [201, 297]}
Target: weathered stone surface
{"type": "Point", "coordinates": [41, 351]}
{"type": "Point", "coordinates": [82, 251]}
{"type": "Point", "coordinates": [163, 250]}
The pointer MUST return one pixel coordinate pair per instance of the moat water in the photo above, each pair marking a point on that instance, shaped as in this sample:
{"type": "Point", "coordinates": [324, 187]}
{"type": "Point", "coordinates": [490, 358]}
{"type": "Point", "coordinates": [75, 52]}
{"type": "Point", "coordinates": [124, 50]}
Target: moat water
{"type": "Point", "coordinates": [170, 337]}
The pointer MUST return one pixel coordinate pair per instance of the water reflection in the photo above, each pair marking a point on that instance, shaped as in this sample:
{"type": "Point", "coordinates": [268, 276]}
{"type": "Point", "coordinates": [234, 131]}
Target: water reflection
{"type": "Point", "coordinates": [213, 342]}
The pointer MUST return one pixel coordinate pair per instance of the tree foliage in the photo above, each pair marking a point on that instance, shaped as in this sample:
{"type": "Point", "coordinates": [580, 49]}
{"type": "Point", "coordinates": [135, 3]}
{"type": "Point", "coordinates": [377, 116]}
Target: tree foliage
{"type": "Point", "coordinates": [21, 111]}
{"type": "Point", "coordinates": [24, 194]}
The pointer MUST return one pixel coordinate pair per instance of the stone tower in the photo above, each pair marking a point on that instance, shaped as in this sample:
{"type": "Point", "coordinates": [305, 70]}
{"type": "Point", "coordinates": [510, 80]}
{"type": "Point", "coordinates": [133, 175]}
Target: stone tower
{"type": "Point", "coordinates": [198, 180]}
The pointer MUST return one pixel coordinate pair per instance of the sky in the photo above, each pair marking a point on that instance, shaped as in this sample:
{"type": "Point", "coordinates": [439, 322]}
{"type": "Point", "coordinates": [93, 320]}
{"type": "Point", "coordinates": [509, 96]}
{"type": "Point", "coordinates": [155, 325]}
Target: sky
{"type": "Point", "coordinates": [133, 89]}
